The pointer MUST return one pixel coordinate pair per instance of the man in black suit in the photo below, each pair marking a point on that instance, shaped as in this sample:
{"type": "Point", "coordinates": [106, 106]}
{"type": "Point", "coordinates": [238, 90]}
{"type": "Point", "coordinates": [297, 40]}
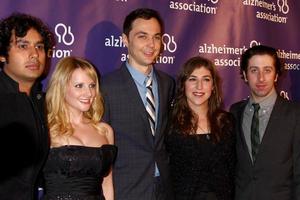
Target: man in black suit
{"type": "Point", "coordinates": [268, 133]}
{"type": "Point", "coordinates": [141, 168]}
{"type": "Point", "coordinates": [24, 42]}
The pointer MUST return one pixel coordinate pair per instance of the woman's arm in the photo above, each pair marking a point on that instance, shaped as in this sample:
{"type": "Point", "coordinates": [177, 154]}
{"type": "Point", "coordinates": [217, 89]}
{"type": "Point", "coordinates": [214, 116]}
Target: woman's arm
{"type": "Point", "coordinates": [107, 184]}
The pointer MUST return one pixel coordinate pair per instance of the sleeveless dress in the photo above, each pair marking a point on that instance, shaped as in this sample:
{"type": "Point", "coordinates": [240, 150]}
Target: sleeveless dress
{"type": "Point", "coordinates": [74, 172]}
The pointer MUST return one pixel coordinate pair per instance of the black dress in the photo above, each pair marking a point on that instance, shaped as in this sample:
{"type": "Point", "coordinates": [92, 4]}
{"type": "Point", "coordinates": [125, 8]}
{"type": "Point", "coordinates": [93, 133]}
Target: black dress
{"type": "Point", "coordinates": [76, 172]}
{"type": "Point", "coordinates": [200, 168]}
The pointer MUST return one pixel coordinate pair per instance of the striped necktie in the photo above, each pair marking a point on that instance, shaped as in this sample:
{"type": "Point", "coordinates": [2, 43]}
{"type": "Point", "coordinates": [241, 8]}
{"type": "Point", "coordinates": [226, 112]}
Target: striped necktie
{"type": "Point", "coordinates": [150, 104]}
{"type": "Point", "coordinates": [255, 141]}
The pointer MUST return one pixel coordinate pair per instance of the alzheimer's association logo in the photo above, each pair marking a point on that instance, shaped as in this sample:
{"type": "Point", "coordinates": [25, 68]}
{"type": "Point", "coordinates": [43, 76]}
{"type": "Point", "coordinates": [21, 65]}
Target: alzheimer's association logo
{"type": "Point", "coordinates": [64, 34]}
{"type": "Point", "coordinates": [169, 43]}
{"type": "Point", "coordinates": [283, 6]}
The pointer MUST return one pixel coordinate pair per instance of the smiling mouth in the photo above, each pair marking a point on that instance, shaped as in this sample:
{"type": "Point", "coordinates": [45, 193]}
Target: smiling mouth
{"type": "Point", "coordinates": [199, 94]}
{"type": "Point", "coordinates": [149, 54]}
{"type": "Point", "coordinates": [85, 101]}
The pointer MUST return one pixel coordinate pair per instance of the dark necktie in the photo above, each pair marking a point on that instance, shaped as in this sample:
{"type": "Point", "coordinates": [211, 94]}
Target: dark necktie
{"type": "Point", "coordinates": [150, 105]}
{"type": "Point", "coordinates": [255, 131]}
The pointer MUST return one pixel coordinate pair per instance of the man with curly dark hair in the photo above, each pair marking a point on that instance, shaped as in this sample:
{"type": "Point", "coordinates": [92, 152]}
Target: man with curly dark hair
{"type": "Point", "coordinates": [267, 130]}
{"type": "Point", "coordinates": [24, 43]}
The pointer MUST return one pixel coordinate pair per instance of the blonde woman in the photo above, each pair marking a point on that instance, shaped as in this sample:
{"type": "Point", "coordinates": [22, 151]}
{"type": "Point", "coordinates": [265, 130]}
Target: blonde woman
{"type": "Point", "coordinates": [82, 149]}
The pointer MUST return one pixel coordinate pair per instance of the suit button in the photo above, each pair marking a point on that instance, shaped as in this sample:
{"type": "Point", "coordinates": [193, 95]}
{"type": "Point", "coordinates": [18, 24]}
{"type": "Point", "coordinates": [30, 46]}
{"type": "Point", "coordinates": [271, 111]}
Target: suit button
{"type": "Point", "coordinates": [254, 178]}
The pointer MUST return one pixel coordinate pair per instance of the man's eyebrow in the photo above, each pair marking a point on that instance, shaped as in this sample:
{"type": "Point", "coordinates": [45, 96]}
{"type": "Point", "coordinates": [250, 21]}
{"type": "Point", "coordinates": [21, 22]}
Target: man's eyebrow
{"type": "Point", "coordinates": [22, 40]}
{"type": "Point", "coordinates": [140, 32]}
{"type": "Point", "coordinates": [26, 41]}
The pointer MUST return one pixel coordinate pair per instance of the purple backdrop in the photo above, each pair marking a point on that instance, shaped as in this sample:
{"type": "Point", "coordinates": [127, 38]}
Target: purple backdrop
{"type": "Point", "coordinates": [217, 29]}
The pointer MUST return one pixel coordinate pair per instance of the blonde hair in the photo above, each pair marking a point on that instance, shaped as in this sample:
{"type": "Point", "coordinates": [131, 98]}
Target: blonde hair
{"type": "Point", "coordinates": [57, 112]}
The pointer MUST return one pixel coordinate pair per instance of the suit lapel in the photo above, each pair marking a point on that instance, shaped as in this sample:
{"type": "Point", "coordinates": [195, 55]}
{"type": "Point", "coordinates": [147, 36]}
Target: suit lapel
{"type": "Point", "coordinates": [273, 122]}
{"type": "Point", "coordinates": [240, 115]}
{"type": "Point", "coordinates": [240, 122]}
{"type": "Point", "coordinates": [162, 101]}
{"type": "Point", "coordinates": [164, 98]}
{"type": "Point", "coordinates": [134, 96]}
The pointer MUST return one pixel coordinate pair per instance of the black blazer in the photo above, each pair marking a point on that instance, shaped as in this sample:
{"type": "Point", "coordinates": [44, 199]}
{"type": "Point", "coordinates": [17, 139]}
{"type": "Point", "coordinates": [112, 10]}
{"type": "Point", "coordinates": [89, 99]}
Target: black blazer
{"type": "Point", "coordinates": [24, 140]}
{"type": "Point", "coordinates": [138, 150]}
{"type": "Point", "coordinates": [275, 175]}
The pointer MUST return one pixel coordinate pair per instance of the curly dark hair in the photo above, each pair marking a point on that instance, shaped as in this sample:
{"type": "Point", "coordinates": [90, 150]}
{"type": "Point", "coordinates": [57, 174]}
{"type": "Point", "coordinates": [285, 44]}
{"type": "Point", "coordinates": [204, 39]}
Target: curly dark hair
{"type": "Point", "coordinates": [260, 50]}
{"type": "Point", "coordinates": [183, 119]}
{"type": "Point", "coordinates": [19, 24]}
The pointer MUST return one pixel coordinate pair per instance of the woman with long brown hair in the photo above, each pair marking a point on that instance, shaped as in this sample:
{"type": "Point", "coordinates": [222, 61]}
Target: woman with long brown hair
{"type": "Point", "coordinates": [200, 140]}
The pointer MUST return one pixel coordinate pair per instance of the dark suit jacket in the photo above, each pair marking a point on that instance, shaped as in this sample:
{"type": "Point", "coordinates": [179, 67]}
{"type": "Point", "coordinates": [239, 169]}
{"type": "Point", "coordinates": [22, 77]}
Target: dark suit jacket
{"type": "Point", "coordinates": [138, 150]}
{"type": "Point", "coordinates": [24, 140]}
{"type": "Point", "coordinates": [275, 175]}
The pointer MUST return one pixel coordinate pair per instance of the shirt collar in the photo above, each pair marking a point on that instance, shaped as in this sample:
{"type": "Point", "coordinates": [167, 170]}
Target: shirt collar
{"type": "Point", "coordinates": [14, 85]}
{"type": "Point", "coordinates": [267, 103]}
{"type": "Point", "coordinates": [137, 75]}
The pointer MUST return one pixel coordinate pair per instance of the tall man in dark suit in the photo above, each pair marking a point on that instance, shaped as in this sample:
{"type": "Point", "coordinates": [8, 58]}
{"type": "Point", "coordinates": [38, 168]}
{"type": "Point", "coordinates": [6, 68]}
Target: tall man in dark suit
{"type": "Point", "coordinates": [24, 145]}
{"type": "Point", "coordinates": [268, 133]}
{"type": "Point", "coordinates": [141, 168]}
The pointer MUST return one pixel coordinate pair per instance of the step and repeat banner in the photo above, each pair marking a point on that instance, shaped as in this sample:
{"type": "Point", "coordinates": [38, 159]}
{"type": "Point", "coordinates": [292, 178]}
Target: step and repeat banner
{"type": "Point", "coordinates": [220, 30]}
